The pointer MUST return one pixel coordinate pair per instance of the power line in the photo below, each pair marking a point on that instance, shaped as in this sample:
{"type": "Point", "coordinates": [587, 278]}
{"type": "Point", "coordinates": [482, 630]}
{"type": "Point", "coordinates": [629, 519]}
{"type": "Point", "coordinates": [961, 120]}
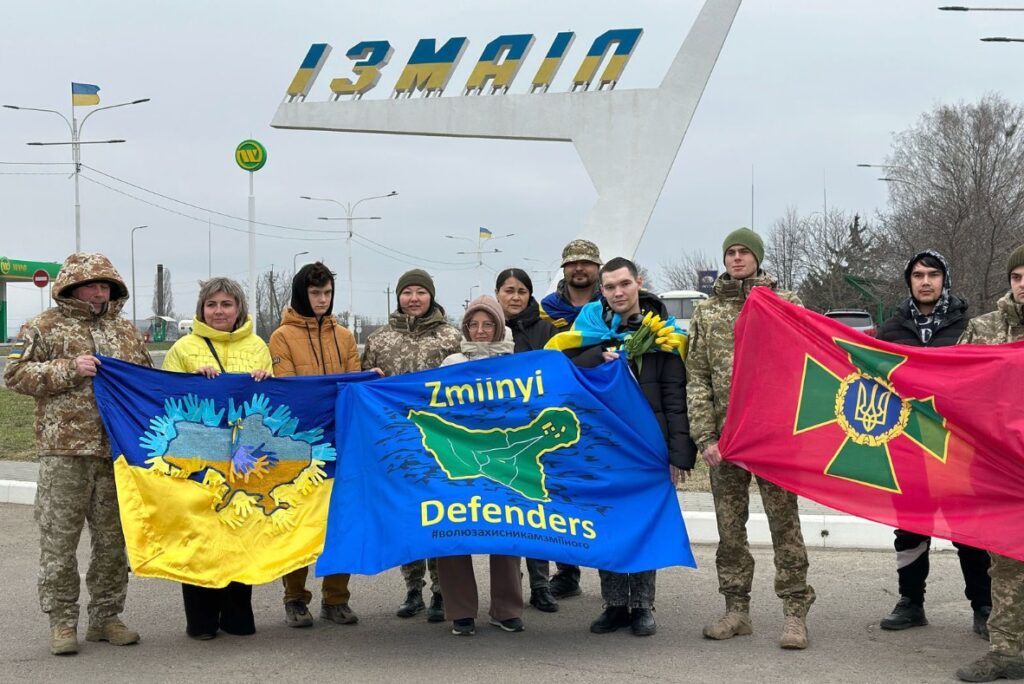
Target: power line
{"type": "Point", "coordinates": [210, 211]}
{"type": "Point", "coordinates": [412, 256]}
{"type": "Point", "coordinates": [203, 220]}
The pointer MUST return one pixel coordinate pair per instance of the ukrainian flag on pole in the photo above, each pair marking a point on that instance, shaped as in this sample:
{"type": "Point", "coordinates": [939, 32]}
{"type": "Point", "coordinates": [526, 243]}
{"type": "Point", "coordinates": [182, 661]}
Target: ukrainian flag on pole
{"type": "Point", "coordinates": [84, 95]}
{"type": "Point", "coordinates": [485, 234]}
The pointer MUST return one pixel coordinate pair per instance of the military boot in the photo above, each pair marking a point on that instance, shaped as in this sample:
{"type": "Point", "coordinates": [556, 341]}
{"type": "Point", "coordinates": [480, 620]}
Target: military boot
{"type": "Point", "coordinates": [906, 614]}
{"type": "Point", "coordinates": [413, 604]}
{"type": "Point", "coordinates": [733, 623]}
{"type": "Point", "coordinates": [794, 633]}
{"type": "Point", "coordinates": [435, 612]}
{"type": "Point", "coordinates": [980, 623]}
{"type": "Point", "coordinates": [991, 667]}
{"type": "Point", "coordinates": [112, 630]}
{"type": "Point", "coordinates": [63, 639]}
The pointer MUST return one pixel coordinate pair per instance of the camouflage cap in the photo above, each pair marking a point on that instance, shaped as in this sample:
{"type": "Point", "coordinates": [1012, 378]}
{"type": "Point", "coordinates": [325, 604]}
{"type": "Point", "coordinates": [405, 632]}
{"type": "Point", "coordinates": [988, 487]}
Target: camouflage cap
{"type": "Point", "coordinates": [581, 250]}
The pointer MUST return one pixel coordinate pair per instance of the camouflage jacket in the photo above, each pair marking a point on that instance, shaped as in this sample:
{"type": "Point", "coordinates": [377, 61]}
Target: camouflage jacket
{"type": "Point", "coordinates": [1005, 324]}
{"type": "Point", "coordinates": [42, 364]}
{"type": "Point", "coordinates": [709, 358]}
{"type": "Point", "coordinates": [409, 344]}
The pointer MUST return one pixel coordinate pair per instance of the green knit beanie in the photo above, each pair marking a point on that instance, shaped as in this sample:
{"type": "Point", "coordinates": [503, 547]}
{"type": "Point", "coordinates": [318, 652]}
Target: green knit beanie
{"type": "Point", "coordinates": [746, 238]}
{"type": "Point", "coordinates": [1016, 259]}
{"type": "Point", "coordinates": [416, 276]}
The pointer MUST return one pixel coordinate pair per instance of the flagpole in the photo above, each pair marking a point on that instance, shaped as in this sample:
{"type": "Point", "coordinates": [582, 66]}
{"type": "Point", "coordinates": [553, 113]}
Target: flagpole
{"type": "Point", "coordinates": [76, 158]}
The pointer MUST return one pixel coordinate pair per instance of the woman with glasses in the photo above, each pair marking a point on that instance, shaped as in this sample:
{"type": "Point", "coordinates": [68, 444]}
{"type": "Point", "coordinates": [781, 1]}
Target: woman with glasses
{"type": "Point", "coordinates": [486, 336]}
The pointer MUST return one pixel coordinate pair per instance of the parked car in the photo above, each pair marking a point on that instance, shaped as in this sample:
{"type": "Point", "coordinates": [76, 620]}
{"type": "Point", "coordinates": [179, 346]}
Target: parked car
{"type": "Point", "coordinates": [858, 319]}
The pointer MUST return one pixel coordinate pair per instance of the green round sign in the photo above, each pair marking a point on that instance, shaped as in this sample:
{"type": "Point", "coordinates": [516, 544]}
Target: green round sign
{"type": "Point", "coordinates": [251, 155]}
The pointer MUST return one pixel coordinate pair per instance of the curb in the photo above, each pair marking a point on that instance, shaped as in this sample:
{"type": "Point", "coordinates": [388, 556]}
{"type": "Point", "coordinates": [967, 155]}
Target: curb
{"type": "Point", "coordinates": [17, 492]}
{"type": "Point", "coordinates": [820, 531]}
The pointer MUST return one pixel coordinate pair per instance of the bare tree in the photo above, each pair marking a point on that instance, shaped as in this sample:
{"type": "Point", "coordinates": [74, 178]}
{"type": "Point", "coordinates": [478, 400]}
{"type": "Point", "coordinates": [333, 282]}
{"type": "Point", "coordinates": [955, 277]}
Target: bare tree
{"type": "Point", "coordinates": [273, 293]}
{"type": "Point", "coordinates": [684, 274]}
{"type": "Point", "coordinates": [957, 185]}
{"type": "Point", "coordinates": [786, 249]}
{"type": "Point", "coordinates": [645, 275]}
{"type": "Point", "coordinates": [163, 296]}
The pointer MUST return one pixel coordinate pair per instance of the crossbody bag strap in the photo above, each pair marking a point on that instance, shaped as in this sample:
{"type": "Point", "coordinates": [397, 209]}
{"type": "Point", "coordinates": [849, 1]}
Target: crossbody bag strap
{"type": "Point", "coordinates": [213, 351]}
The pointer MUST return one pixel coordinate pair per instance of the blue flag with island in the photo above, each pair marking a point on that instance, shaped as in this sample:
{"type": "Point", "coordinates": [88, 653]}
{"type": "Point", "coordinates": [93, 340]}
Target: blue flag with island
{"type": "Point", "coordinates": [524, 455]}
{"type": "Point", "coordinates": [220, 480]}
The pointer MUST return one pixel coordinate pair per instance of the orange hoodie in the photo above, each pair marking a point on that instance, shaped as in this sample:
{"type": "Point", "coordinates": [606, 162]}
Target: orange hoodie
{"type": "Point", "coordinates": [302, 346]}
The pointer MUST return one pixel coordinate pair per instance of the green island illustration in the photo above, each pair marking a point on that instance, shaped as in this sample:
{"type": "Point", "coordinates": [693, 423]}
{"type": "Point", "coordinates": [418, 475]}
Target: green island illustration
{"type": "Point", "coordinates": [508, 456]}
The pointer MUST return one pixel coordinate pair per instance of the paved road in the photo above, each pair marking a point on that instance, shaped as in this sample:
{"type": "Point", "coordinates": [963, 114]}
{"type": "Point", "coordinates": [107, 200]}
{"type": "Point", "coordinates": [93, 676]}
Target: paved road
{"type": "Point", "coordinates": [855, 588]}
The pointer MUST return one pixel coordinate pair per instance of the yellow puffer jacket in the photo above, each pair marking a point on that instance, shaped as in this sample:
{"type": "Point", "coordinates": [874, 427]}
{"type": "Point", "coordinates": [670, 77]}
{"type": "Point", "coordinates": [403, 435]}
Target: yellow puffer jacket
{"type": "Point", "coordinates": [239, 351]}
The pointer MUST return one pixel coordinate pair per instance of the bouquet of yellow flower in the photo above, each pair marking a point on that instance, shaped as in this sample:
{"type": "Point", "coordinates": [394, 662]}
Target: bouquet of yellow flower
{"type": "Point", "coordinates": [654, 334]}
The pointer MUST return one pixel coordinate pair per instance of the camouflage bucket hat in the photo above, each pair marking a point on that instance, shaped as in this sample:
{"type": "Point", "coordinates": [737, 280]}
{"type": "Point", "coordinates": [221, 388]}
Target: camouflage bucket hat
{"type": "Point", "coordinates": [581, 250]}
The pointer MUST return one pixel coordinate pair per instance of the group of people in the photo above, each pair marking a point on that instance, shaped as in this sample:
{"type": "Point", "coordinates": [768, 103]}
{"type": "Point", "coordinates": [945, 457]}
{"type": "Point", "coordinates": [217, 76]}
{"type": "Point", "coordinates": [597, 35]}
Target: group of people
{"type": "Point", "coordinates": [57, 357]}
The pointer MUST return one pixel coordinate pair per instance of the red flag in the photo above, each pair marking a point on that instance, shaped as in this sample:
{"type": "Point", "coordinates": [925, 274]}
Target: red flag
{"type": "Point", "coordinates": [927, 440]}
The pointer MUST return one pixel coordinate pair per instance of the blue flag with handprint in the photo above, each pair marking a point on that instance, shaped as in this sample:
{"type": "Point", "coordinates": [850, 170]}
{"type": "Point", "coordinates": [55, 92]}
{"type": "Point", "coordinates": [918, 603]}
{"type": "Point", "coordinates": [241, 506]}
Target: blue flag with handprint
{"type": "Point", "coordinates": [220, 480]}
{"type": "Point", "coordinates": [524, 455]}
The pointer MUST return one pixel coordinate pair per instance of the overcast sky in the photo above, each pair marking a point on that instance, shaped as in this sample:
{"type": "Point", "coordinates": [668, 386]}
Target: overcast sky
{"type": "Point", "coordinates": [802, 92]}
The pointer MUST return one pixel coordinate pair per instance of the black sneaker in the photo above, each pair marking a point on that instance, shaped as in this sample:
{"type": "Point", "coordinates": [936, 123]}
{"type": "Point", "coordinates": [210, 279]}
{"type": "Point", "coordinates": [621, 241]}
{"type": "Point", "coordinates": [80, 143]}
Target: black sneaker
{"type": "Point", "coordinates": [564, 587]}
{"type": "Point", "coordinates": [435, 613]}
{"type": "Point", "coordinates": [542, 600]}
{"type": "Point", "coordinates": [642, 622]}
{"type": "Point", "coordinates": [510, 625]}
{"type": "Point", "coordinates": [906, 614]}
{"type": "Point", "coordinates": [413, 604]}
{"type": "Point", "coordinates": [981, 621]}
{"type": "Point", "coordinates": [611, 619]}
{"type": "Point", "coordinates": [464, 627]}
{"type": "Point", "coordinates": [297, 615]}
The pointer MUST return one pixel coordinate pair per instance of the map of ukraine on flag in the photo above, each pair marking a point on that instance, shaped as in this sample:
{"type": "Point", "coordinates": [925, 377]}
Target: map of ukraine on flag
{"type": "Point", "coordinates": [84, 95]}
{"type": "Point", "coordinates": [927, 440]}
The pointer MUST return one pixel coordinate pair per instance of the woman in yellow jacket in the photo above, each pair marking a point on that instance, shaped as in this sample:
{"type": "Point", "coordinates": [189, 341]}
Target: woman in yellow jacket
{"type": "Point", "coordinates": [222, 341]}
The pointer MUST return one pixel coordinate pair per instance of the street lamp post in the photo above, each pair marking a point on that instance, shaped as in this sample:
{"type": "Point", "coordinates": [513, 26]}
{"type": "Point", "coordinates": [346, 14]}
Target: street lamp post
{"type": "Point", "coordinates": [133, 270]}
{"type": "Point", "coordinates": [76, 153]}
{"type": "Point", "coordinates": [479, 251]}
{"type": "Point", "coordinates": [991, 39]}
{"type": "Point", "coordinates": [548, 272]}
{"type": "Point", "coordinates": [295, 268]}
{"type": "Point", "coordinates": [349, 218]}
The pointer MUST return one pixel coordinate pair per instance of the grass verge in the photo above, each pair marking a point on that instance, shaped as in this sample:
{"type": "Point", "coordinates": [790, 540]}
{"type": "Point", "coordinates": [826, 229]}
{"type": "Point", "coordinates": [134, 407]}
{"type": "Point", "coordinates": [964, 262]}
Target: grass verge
{"type": "Point", "coordinates": [16, 426]}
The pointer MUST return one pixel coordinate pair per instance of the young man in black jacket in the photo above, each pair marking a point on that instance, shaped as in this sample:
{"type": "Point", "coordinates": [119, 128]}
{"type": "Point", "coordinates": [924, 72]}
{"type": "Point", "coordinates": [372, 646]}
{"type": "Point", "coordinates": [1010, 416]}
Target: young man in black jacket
{"type": "Point", "coordinates": [629, 598]}
{"type": "Point", "coordinates": [931, 317]}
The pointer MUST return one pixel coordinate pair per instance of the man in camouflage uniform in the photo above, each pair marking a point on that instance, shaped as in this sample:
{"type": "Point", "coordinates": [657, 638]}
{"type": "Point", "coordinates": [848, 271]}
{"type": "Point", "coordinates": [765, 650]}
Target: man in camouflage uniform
{"type": "Point", "coordinates": [709, 376]}
{"type": "Point", "coordinates": [417, 337]}
{"type": "Point", "coordinates": [579, 286]}
{"type": "Point", "coordinates": [55, 363]}
{"type": "Point", "coordinates": [1006, 622]}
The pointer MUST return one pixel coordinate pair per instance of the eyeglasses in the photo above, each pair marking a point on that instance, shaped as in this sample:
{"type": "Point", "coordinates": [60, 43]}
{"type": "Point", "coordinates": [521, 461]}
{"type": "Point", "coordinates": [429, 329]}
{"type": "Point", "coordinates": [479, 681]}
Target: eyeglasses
{"type": "Point", "coordinates": [481, 326]}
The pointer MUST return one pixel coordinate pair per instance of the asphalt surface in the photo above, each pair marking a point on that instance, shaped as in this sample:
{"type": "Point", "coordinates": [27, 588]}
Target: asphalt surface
{"type": "Point", "coordinates": [855, 589]}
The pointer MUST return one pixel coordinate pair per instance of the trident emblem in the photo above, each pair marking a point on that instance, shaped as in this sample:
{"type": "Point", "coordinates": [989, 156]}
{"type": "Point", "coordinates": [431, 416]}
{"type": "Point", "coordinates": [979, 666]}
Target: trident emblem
{"type": "Point", "coordinates": [872, 410]}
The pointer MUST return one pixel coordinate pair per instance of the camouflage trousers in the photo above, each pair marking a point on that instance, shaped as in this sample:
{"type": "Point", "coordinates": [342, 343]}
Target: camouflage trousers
{"type": "Point", "coordinates": [634, 589]}
{"type": "Point", "coordinates": [73, 490]}
{"type": "Point", "coordinates": [1006, 623]}
{"type": "Point", "coordinates": [730, 486]}
{"type": "Point", "coordinates": [414, 572]}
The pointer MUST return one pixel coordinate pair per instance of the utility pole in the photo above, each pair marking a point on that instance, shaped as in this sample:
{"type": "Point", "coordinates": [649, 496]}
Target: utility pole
{"type": "Point", "coordinates": [387, 313]}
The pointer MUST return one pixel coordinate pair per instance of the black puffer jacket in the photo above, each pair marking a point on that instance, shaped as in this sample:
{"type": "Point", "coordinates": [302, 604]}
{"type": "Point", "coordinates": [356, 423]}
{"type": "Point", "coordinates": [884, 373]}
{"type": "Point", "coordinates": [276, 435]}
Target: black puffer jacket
{"type": "Point", "coordinates": [900, 329]}
{"type": "Point", "coordinates": [529, 330]}
{"type": "Point", "coordinates": [662, 379]}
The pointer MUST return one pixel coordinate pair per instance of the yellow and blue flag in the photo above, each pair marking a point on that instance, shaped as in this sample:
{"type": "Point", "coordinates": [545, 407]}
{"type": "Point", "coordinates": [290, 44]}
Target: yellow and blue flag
{"type": "Point", "coordinates": [485, 234]}
{"type": "Point", "coordinates": [523, 455]}
{"type": "Point", "coordinates": [220, 480]}
{"type": "Point", "coordinates": [84, 95]}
